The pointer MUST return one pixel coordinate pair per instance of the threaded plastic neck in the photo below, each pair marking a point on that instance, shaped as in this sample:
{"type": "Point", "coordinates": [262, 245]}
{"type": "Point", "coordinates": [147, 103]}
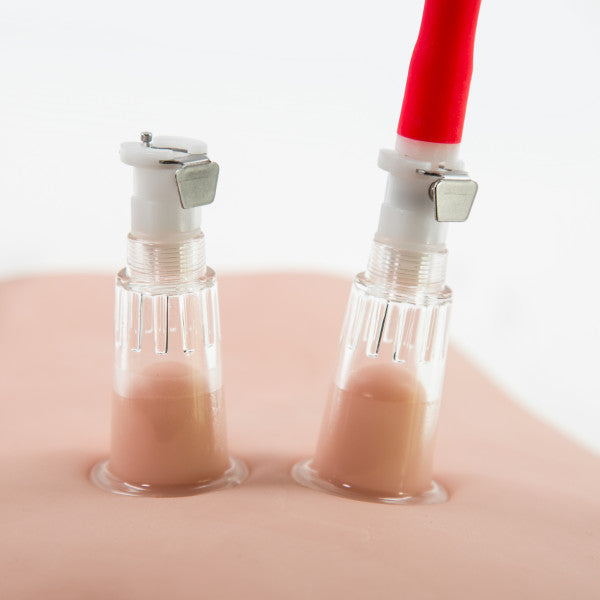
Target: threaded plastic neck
{"type": "Point", "coordinates": [412, 272]}
{"type": "Point", "coordinates": [166, 263]}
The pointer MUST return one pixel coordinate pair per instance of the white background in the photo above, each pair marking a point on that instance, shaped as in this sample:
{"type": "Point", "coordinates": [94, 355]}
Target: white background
{"type": "Point", "coordinates": [294, 100]}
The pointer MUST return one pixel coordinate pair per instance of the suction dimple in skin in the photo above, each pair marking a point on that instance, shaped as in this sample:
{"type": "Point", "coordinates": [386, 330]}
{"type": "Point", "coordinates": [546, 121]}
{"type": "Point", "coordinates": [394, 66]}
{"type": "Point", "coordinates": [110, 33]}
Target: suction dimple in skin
{"type": "Point", "coordinates": [378, 433]}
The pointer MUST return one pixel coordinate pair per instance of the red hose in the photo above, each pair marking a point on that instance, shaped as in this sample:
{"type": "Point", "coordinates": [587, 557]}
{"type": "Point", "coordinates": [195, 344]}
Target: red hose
{"type": "Point", "coordinates": [437, 87]}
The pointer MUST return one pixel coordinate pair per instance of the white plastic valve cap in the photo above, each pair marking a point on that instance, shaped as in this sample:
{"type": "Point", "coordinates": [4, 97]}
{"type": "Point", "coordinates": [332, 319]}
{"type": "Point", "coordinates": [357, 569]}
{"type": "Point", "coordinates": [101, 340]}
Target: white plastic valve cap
{"type": "Point", "coordinates": [157, 211]}
{"type": "Point", "coordinates": [161, 148]}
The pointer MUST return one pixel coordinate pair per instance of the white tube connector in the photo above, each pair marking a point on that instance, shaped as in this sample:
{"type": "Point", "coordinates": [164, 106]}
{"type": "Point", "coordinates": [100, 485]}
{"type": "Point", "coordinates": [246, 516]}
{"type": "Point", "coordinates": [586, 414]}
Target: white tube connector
{"type": "Point", "coordinates": [156, 210]}
{"type": "Point", "coordinates": [172, 179]}
{"type": "Point", "coordinates": [407, 219]}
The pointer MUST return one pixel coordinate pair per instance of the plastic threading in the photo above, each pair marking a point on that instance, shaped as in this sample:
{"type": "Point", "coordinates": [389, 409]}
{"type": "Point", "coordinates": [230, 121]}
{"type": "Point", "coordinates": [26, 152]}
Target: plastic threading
{"type": "Point", "coordinates": [439, 76]}
{"type": "Point", "coordinates": [167, 263]}
{"type": "Point", "coordinates": [407, 270]}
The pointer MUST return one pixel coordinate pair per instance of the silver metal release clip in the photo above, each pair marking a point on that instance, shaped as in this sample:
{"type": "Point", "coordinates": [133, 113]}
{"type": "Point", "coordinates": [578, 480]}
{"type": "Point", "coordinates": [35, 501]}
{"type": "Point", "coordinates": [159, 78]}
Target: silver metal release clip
{"type": "Point", "coordinates": [453, 193]}
{"type": "Point", "coordinates": [196, 180]}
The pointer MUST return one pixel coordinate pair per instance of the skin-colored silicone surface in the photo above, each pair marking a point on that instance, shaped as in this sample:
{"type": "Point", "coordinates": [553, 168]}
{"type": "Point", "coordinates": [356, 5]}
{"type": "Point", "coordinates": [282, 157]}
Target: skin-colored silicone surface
{"type": "Point", "coordinates": [522, 520]}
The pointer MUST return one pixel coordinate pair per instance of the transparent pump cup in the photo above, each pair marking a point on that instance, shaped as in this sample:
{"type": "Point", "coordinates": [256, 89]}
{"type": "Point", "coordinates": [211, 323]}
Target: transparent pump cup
{"type": "Point", "coordinates": [378, 431]}
{"type": "Point", "coordinates": [168, 433]}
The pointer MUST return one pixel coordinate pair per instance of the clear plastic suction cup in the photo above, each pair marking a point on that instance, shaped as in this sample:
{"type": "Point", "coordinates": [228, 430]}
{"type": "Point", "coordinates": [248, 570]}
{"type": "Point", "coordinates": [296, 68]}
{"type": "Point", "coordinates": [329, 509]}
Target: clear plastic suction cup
{"type": "Point", "coordinates": [305, 475]}
{"type": "Point", "coordinates": [104, 479]}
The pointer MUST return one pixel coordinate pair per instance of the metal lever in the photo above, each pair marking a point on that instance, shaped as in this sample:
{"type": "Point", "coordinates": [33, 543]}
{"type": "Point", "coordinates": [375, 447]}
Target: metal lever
{"type": "Point", "coordinates": [196, 180]}
{"type": "Point", "coordinates": [453, 193]}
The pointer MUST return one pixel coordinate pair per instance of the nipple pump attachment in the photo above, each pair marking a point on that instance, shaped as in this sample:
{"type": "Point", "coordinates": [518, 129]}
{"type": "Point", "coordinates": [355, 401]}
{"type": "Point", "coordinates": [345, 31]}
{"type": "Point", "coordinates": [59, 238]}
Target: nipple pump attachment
{"type": "Point", "coordinates": [378, 431]}
{"type": "Point", "coordinates": [168, 434]}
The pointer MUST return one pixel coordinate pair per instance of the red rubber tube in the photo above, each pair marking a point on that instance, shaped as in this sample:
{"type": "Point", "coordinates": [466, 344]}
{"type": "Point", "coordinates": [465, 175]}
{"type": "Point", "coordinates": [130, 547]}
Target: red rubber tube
{"type": "Point", "coordinates": [439, 76]}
